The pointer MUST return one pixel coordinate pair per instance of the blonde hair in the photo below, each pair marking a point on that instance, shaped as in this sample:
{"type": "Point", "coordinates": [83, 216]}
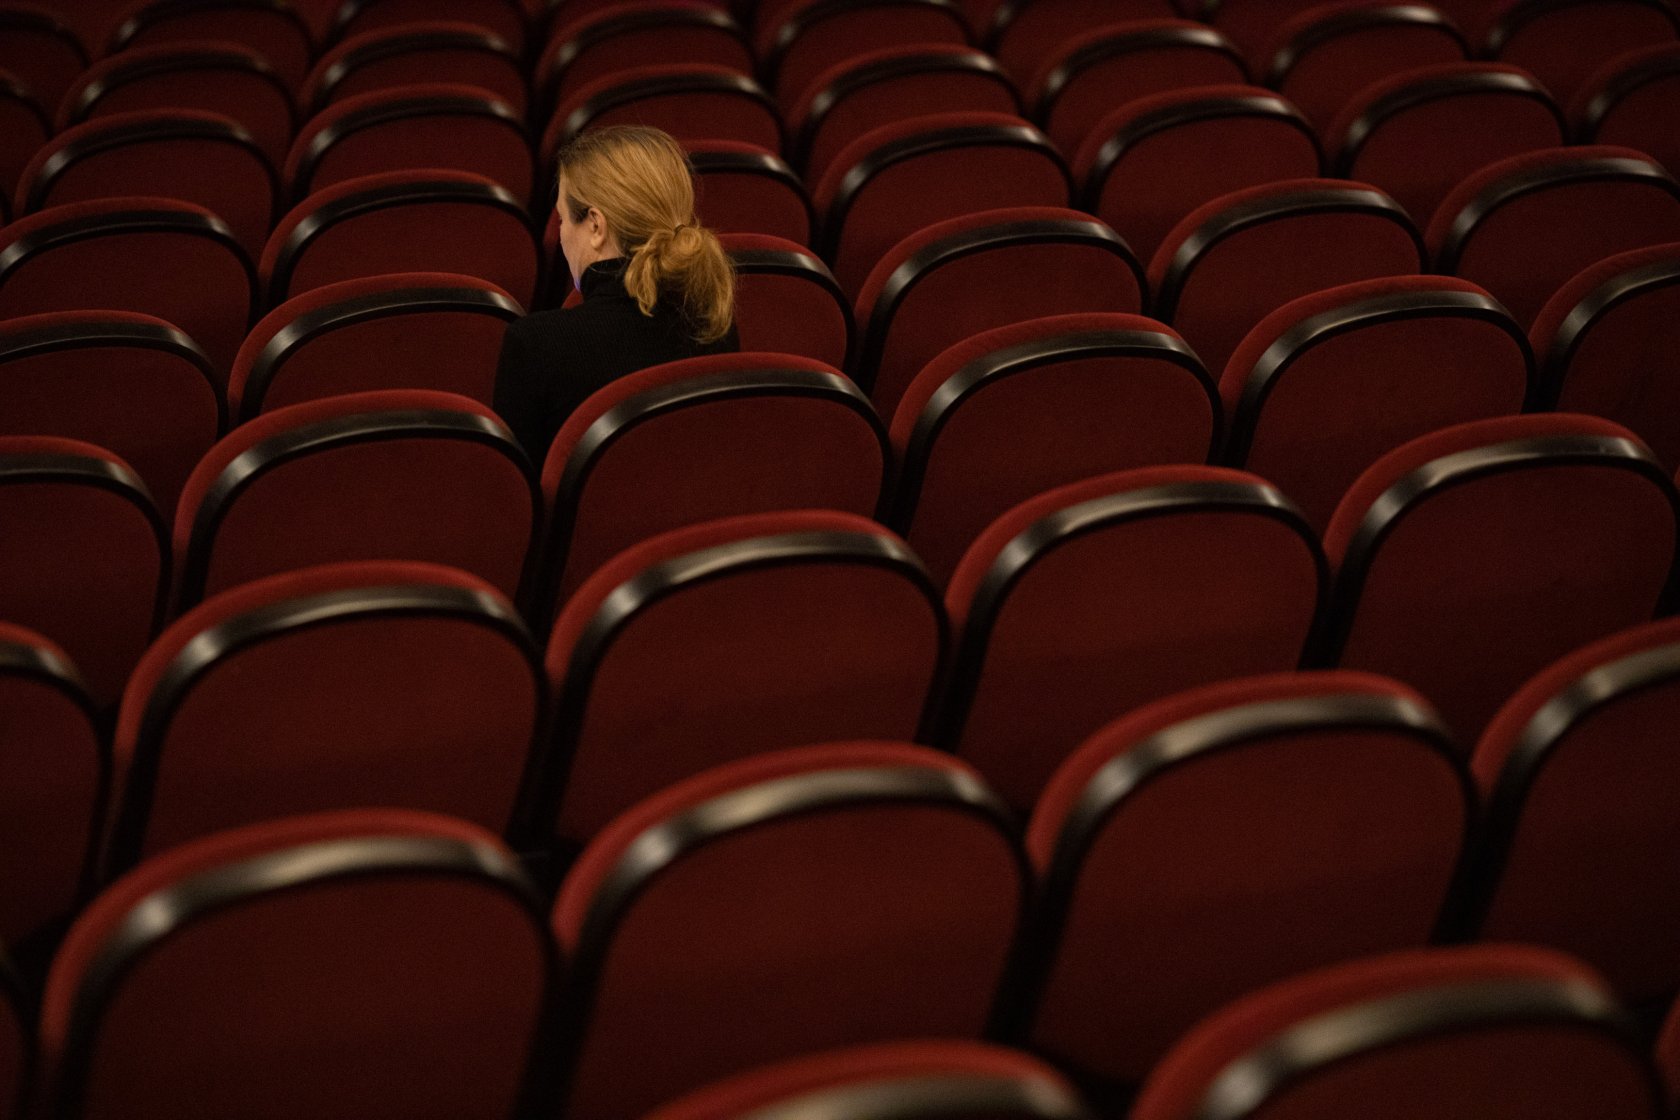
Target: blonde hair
{"type": "Point", "coordinates": [639, 179]}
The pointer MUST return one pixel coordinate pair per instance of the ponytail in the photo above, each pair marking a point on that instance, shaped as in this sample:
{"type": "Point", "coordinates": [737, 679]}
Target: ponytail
{"type": "Point", "coordinates": [688, 265]}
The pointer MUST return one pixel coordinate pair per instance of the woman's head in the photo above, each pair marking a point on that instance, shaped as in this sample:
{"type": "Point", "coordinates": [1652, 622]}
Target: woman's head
{"type": "Point", "coordinates": [627, 191]}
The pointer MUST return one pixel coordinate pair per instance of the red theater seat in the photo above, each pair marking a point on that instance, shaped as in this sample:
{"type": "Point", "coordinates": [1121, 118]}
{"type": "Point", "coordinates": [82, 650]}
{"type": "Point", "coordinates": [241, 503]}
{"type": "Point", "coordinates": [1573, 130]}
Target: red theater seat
{"type": "Point", "coordinates": [1250, 24]}
{"type": "Point", "coordinates": [1018, 410]}
{"type": "Point", "coordinates": [1091, 599]}
{"type": "Point", "coordinates": [1562, 43]}
{"type": "Point", "coordinates": [1633, 101]}
{"type": "Point", "coordinates": [691, 101]}
{"type": "Point", "coordinates": [623, 34]}
{"type": "Point", "coordinates": [742, 188]}
{"type": "Point", "coordinates": [1326, 384]}
{"type": "Point", "coordinates": [787, 301]}
{"type": "Point", "coordinates": [1227, 837]}
{"type": "Point", "coordinates": [780, 906]}
{"type": "Point", "coordinates": [809, 37]}
{"type": "Point", "coordinates": [1025, 34]}
{"type": "Point", "coordinates": [727, 639]}
{"type": "Point", "coordinates": [41, 50]}
{"type": "Point", "coordinates": [507, 18]}
{"type": "Point", "coordinates": [24, 128]}
{"type": "Point", "coordinates": [411, 54]}
{"type": "Point", "coordinates": [390, 965]}
{"type": "Point", "coordinates": [276, 31]}
{"type": "Point", "coordinates": [1470, 558]}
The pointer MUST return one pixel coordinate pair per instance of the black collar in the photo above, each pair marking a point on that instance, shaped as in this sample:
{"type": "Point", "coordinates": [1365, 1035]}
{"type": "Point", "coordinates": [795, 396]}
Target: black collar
{"type": "Point", "coordinates": [603, 278]}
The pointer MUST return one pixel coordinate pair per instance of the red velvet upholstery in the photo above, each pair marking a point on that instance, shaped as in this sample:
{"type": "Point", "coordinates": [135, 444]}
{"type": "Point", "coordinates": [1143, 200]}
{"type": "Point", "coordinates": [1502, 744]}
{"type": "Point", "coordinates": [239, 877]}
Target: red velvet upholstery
{"type": "Point", "coordinates": [1250, 23]}
{"type": "Point", "coordinates": [1228, 836]}
{"type": "Point", "coordinates": [1562, 44]}
{"type": "Point", "coordinates": [411, 54]}
{"type": "Point", "coordinates": [214, 77]}
{"type": "Point", "coordinates": [58, 769]}
{"type": "Point", "coordinates": [954, 279]}
{"type": "Point", "coordinates": [1112, 63]}
{"type": "Point", "coordinates": [126, 382]}
{"type": "Point", "coordinates": [1320, 58]}
{"type": "Point", "coordinates": [155, 256]}
{"type": "Point", "coordinates": [866, 91]}
{"type": "Point", "coordinates": [801, 627]}
{"type": "Point", "coordinates": [900, 178]}
{"type": "Point", "coordinates": [988, 1081]}
{"type": "Point", "coordinates": [787, 301]}
{"type": "Point", "coordinates": [24, 128]}
{"type": "Point", "coordinates": [702, 438]}
{"type": "Point", "coordinates": [279, 34]}
{"type": "Point", "coordinates": [1563, 530]}
{"type": "Point", "coordinates": [506, 18]}
{"type": "Point", "coordinates": [812, 36]}
{"type": "Point", "coordinates": [1234, 260]}
{"type": "Point", "coordinates": [1151, 161]}
{"type": "Point", "coordinates": [84, 556]}
{"type": "Point", "coordinates": [1631, 101]}
{"type": "Point", "coordinates": [404, 221]}
{"type": "Point", "coordinates": [691, 101]}
{"type": "Point", "coordinates": [623, 34]}
{"type": "Point", "coordinates": [1604, 342]}
{"type": "Point", "coordinates": [1419, 133]}
{"type": "Point", "coordinates": [389, 964]}
{"type": "Point", "coordinates": [410, 330]}
{"type": "Point", "coordinates": [1579, 805]}
{"type": "Point", "coordinates": [1523, 226]}
{"type": "Point", "coordinates": [1064, 398]}
{"type": "Point", "coordinates": [1327, 383]}
{"type": "Point", "coordinates": [842, 894]}
{"type": "Point", "coordinates": [742, 188]}
{"type": "Point", "coordinates": [1025, 34]}
{"type": "Point", "coordinates": [38, 46]}
{"type": "Point", "coordinates": [1210, 571]}
{"type": "Point", "coordinates": [203, 158]}
{"type": "Point", "coordinates": [386, 475]}
{"type": "Point", "coordinates": [1482, 1032]}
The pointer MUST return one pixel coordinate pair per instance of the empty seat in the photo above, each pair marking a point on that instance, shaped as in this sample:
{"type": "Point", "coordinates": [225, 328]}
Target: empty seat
{"type": "Point", "coordinates": [276, 31]}
{"type": "Point", "coordinates": [410, 54]}
{"type": "Point", "coordinates": [742, 188]}
{"type": "Point", "coordinates": [24, 128]}
{"type": "Point", "coordinates": [203, 158]}
{"type": "Point", "coordinates": [41, 50]}
{"type": "Point", "coordinates": [1523, 226]}
{"type": "Point", "coordinates": [1151, 161]}
{"type": "Point", "coordinates": [1249, 23]}
{"type": "Point", "coordinates": [809, 37]}
{"type": "Point", "coordinates": [1482, 1032]}
{"type": "Point", "coordinates": [387, 475]}
{"type": "Point", "coordinates": [905, 176]}
{"type": "Point", "coordinates": [872, 89]}
{"type": "Point", "coordinates": [1418, 134]}
{"type": "Point", "coordinates": [691, 101]}
{"type": "Point", "coordinates": [1575, 771]}
{"type": "Point", "coordinates": [1025, 34]}
{"type": "Point", "coordinates": [730, 638]}
{"type": "Point", "coordinates": [1470, 558]}
{"type": "Point", "coordinates": [701, 438]}
{"type": "Point", "coordinates": [389, 964]}
{"type": "Point", "coordinates": [1018, 410]}
{"type": "Point", "coordinates": [1105, 67]}
{"type": "Point", "coordinates": [509, 19]}
{"type": "Point", "coordinates": [903, 1080]}
{"type": "Point", "coordinates": [1631, 101]}
{"type": "Point", "coordinates": [1605, 343]}
{"type": "Point", "coordinates": [1229, 836]}
{"type": "Point", "coordinates": [404, 221]}
{"type": "Point", "coordinates": [84, 560]}
{"type": "Point", "coordinates": [1234, 260]}
{"type": "Point", "coordinates": [129, 383]}
{"type": "Point", "coordinates": [156, 256]}
{"type": "Point", "coordinates": [59, 771]}
{"type": "Point", "coordinates": [630, 33]}
{"type": "Point", "coordinates": [209, 76]}
{"type": "Point", "coordinates": [411, 127]}
{"type": "Point", "coordinates": [787, 301]}
{"type": "Point", "coordinates": [1088, 600]}
{"type": "Point", "coordinates": [832, 896]}
{"type": "Point", "coordinates": [953, 279]}
{"type": "Point", "coordinates": [409, 330]}
{"type": "Point", "coordinates": [1562, 43]}
{"type": "Point", "coordinates": [1322, 57]}
{"type": "Point", "coordinates": [1329, 382]}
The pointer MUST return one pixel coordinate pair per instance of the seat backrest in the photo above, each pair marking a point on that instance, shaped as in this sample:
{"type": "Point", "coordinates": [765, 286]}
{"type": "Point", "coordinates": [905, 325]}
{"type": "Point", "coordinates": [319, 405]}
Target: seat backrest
{"type": "Point", "coordinates": [1234, 260]}
{"type": "Point", "coordinates": [625, 34]}
{"type": "Point", "coordinates": [84, 560]}
{"type": "Point", "coordinates": [1326, 384]}
{"type": "Point", "coordinates": [510, 19]}
{"type": "Point", "coordinates": [1477, 1032]}
{"type": "Point", "coordinates": [385, 475]}
{"type": "Point", "coordinates": [1523, 226]}
{"type": "Point", "coordinates": [1249, 23]}
{"type": "Point", "coordinates": [277, 32]}
{"type": "Point", "coordinates": [702, 438]}
{"type": "Point", "coordinates": [1014, 411]}
{"type": "Point", "coordinates": [1468, 559]}
{"type": "Point", "coordinates": [126, 382]}
{"type": "Point", "coordinates": [24, 129]}
{"type": "Point", "coordinates": [1630, 101]}
{"type": "Point", "coordinates": [742, 188]}
{"type": "Point", "coordinates": [812, 36]}
{"type": "Point", "coordinates": [1151, 161]}
{"type": "Point", "coordinates": [389, 964]}
{"type": "Point", "coordinates": [408, 330]}
{"type": "Point", "coordinates": [897, 179]}
{"type": "Point", "coordinates": [421, 53]}
{"type": "Point", "coordinates": [954, 279]}
{"type": "Point", "coordinates": [732, 638]}
{"type": "Point", "coordinates": [1025, 34]}
{"type": "Point", "coordinates": [787, 301]}
{"type": "Point", "coordinates": [832, 896]}
{"type": "Point", "coordinates": [1229, 836]}
{"type": "Point", "coordinates": [1419, 133]}
{"type": "Point", "coordinates": [1563, 43]}
{"type": "Point", "coordinates": [1093, 598]}
{"type": "Point", "coordinates": [404, 221]}
{"type": "Point", "coordinates": [42, 50]}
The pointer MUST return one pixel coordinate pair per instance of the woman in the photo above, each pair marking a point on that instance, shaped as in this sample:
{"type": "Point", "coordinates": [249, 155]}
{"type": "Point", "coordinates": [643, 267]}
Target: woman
{"type": "Point", "coordinates": [656, 286]}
